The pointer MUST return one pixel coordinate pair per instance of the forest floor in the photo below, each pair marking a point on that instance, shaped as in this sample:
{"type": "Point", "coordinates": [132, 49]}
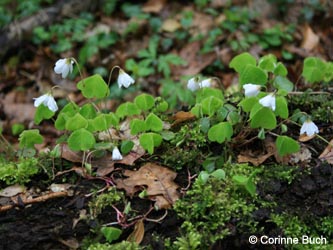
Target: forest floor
{"type": "Point", "coordinates": [61, 206]}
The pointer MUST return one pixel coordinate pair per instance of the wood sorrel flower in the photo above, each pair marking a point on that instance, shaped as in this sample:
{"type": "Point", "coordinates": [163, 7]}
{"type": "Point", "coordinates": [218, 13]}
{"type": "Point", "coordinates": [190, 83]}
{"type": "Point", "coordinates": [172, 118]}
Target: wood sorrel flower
{"type": "Point", "coordinates": [309, 128]}
{"type": "Point", "coordinates": [124, 79]}
{"type": "Point", "coordinates": [268, 101]}
{"type": "Point", "coordinates": [64, 67]}
{"type": "Point", "coordinates": [251, 89]}
{"type": "Point", "coordinates": [193, 84]}
{"type": "Point", "coordinates": [206, 83]}
{"type": "Point", "coordinates": [116, 155]}
{"type": "Point", "coordinates": [47, 100]}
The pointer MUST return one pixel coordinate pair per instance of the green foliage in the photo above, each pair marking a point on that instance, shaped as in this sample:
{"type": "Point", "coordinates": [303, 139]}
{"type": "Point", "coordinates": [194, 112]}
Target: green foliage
{"type": "Point", "coordinates": [189, 242]}
{"type": "Point", "coordinates": [93, 87]}
{"type": "Point", "coordinates": [124, 245]}
{"type": "Point", "coordinates": [28, 138]}
{"type": "Point", "coordinates": [151, 62]}
{"type": "Point", "coordinates": [262, 117]}
{"type": "Point", "coordinates": [286, 145]}
{"type": "Point", "coordinates": [317, 70]}
{"type": "Point", "coordinates": [17, 128]}
{"type": "Point", "coordinates": [220, 132]}
{"type": "Point", "coordinates": [144, 102]}
{"type": "Point", "coordinates": [127, 109]}
{"type": "Point", "coordinates": [111, 233]}
{"type": "Point", "coordinates": [149, 141]}
{"type": "Point", "coordinates": [18, 172]}
{"type": "Point", "coordinates": [209, 206]}
{"type": "Point", "coordinates": [81, 140]}
{"type": "Point", "coordinates": [42, 113]}
{"type": "Point", "coordinates": [102, 201]}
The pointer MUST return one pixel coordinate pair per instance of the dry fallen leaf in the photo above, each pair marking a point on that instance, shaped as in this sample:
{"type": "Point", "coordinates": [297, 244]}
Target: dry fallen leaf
{"type": "Point", "coordinates": [104, 165]}
{"type": "Point", "coordinates": [310, 40]}
{"type": "Point", "coordinates": [182, 116]}
{"type": "Point", "coordinates": [327, 154]}
{"type": "Point", "coordinates": [170, 25]}
{"type": "Point", "coordinates": [153, 6]}
{"type": "Point", "coordinates": [12, 190]}
{"type": "Point", "coordinates": [305, 137]}
{"type": "Point", "coordinates": [253, 157]}
{"type": "Point", "coordinates": [304, 155]}
{"type": "Point", "coordinates": [138, 232]}
{"type": "Point", "coordinates": [157, 180]}
{"type": "Point", "coordinates": [196, 60]}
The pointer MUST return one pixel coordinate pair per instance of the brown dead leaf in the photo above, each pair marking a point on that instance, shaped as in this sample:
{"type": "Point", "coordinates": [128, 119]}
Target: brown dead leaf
{"type": "Point", "coordinates": [12, 190]}
{"type": "Point", "coordinates": [304, 155]}
{"type": "Point", "coordinates": [182, 116]}
{"type": "Point", "coordinates": [327, 154]}
{"type": "Point", "coordinates": [252, 157]}
{"type": "Point", "coordinates": [138, 232]}
{"type": "Point", "coordinates": [153, 6]}
{"type": "Point", "coordinates": [196, 60]}
{"type": "Point", "coordinates": [157, 180]}
{"type": "Point", "coordinates": [72, 243]}
{"type": "Point", "coordinates": [310, 39]}
{"type": "Point", "coordinates": [170, 25]}
{"type": "Point", "coordinates": [305, 137]}
{"type": "Point", "coordinates": [104, 165]}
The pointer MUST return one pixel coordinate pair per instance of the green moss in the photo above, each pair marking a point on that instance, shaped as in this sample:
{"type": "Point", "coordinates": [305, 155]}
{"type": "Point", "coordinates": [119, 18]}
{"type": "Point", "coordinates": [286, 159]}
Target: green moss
{"type": "Point", "coordinates": [124, 245]}
{"type": "Point", "coordinates": [100, 202]}
{"type": "Point", "coordinates": [20, 171]}
{"type": "Point", "coordinates": [208, 209]}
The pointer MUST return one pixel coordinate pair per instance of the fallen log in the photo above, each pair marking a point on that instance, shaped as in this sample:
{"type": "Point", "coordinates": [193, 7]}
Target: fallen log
{"type": "Point", "coordinates": [16, 32]}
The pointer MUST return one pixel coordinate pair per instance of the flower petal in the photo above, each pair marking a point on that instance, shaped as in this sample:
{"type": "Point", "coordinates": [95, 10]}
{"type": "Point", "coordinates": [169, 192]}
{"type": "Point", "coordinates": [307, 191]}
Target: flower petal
{"type": "Point", "coordinates": [251, 89]}
{"type": "Point", "coordinates": [124, 79]}
{"type": "Point", "coordinates": [116, 155]}
{"type": "Point", "coordinates": [193, 84]}
{"type": "Point", "coordinates": [51, 104]}
{"type": "Point", "coordinates": [268, 101]}
{"type": "Point", "coordinates": [206, 83]}
{"type": "Point", "coordinates": [40, 100]}
{"type": "Point", "coordinates": [309, 128]}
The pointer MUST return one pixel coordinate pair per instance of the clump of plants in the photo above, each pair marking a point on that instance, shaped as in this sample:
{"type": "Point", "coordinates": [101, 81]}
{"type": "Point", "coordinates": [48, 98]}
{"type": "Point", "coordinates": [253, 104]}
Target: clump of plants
{"type": "Point", "coordinates": [258, 109]}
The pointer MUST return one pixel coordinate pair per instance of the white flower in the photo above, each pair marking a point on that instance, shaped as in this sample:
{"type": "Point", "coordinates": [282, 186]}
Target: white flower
{"type": "Point", "coordinates": [124, 79]}
{"type": "Point", "coordinates": [48, 101]}
{"type": "Point", "coordinates": [268, 101]}
{"type": "Point", "coordinates": [206, 83]}
{"type": "Point", "coordinates": [193, 84]}
{"type": "Point", "coordinates": [309, 128]}
{"type": "Point", "coordinates": [64, 67]}
{"type": "Point", "coordinates": [251, 89]}
{"type": "Point", "coordinates": [116, 155]}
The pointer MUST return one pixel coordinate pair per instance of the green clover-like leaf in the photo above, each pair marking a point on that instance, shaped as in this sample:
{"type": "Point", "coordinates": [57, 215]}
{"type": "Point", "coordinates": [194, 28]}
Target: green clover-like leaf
{"type": "Point", "coordinates": [238, 63]}
{"type": "Point", "coordinates": [42, 113]}
{"type": "Point", "coordinates": [262, 117]}
{"type": "Point", "coordinates": [76, 122]}
{"type": "Point", "coordinates": [81, 139]}
{"type": "Point", "coordinates": [149, 141]}
{"type": "Point", "coordinates": [93, 87]}
{"type": "Point", "coordinates": [144, 101]}
{"type": "Point", "coordinates": [220, 132]}
{"type": "Point", "coordinates": [286, 145]}
{"type": "Point", "coordinates": [28, 138]}
{"type": "Point", "coordinates": [253, 74]}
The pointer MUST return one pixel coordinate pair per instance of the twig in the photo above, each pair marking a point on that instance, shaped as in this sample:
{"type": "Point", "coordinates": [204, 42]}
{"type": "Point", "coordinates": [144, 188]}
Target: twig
{"type": "Point", "coordinates": [33, 200]}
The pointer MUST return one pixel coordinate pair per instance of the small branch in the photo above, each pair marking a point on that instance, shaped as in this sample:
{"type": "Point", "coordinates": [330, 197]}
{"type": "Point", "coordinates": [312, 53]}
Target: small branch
{"type": "Point", "coordinates": [34, 200]}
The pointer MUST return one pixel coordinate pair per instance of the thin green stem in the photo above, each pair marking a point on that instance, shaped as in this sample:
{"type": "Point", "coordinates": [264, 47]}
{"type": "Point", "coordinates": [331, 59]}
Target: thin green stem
{"type": "Point", "coordinates": [78, 67]}
{"type": "Point", "coordinates": [110, 75]}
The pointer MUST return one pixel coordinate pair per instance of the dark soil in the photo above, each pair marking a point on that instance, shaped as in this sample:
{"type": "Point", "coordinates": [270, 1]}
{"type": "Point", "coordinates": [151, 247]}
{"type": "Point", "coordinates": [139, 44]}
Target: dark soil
{"type": "Point", "coordinates": [44, 225]}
